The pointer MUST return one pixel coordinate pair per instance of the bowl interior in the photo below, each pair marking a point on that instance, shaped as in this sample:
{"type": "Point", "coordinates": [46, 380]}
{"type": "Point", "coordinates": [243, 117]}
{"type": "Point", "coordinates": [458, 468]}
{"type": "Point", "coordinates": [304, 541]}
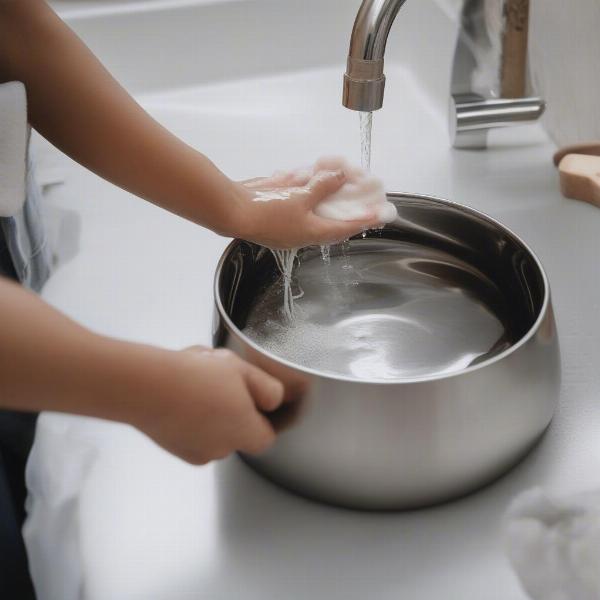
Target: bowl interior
{"type": "Point", "coordinates": [439, 290]}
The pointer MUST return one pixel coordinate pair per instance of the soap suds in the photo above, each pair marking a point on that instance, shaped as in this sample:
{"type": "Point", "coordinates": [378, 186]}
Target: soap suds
{"type": "Point", "coordinates": [361, 196]}
{"type": "Point", "coordinates": [376, 313]}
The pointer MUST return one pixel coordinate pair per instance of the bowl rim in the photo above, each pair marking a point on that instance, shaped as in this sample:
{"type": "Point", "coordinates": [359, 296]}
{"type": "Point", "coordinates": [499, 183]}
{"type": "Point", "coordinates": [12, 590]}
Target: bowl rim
{"type": "Point", "coordinates": [532, 331]}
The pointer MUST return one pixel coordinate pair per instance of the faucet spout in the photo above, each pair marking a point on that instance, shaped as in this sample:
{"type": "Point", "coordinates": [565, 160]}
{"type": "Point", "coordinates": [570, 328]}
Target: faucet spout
{"type": "Point", "coordinates": [364, 80]}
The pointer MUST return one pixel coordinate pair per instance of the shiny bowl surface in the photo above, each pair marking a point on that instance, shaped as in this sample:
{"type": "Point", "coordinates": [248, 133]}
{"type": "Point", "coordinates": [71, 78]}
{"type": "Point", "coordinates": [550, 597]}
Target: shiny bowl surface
{"type": "Point", "coordinates": [432, 435]}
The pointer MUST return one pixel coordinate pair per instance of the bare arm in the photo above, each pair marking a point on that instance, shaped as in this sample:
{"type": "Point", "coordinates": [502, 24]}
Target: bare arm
{"type": "Point", "coordinates": [199, 404]}
{"type": "Point", "coordinates": [77, 105]}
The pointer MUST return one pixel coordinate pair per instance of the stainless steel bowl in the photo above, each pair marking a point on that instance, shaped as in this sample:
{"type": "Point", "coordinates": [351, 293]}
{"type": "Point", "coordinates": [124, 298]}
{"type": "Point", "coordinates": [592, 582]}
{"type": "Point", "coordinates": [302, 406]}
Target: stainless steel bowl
{"type": "Point", "coordinates": [417, 441]}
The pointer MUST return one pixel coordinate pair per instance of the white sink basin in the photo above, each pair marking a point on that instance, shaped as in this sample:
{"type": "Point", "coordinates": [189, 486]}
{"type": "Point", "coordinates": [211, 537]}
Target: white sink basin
{"type": "Point", "coordinates": [152, 527]}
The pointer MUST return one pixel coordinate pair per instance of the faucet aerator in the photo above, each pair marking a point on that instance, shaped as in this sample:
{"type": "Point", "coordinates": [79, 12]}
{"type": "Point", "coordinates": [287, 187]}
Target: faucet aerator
{"type": "Point", "coordinates": [364, 84]}
{"type": "Point", "coordinates": [364, 96]}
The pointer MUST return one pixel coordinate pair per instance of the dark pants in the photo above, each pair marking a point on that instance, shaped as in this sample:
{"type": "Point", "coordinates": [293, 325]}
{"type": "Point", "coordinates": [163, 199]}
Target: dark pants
{"type": "Point", "coordinates": [16, 437]}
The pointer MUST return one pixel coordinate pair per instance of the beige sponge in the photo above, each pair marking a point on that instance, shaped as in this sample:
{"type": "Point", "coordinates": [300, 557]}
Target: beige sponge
{"type": "Point", "coordinates": [580, 177]}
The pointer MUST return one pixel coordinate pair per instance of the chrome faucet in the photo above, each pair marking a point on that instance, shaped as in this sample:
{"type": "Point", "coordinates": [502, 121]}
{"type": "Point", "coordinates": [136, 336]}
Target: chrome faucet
{"type": "Point", "coordinates": [488, 74]}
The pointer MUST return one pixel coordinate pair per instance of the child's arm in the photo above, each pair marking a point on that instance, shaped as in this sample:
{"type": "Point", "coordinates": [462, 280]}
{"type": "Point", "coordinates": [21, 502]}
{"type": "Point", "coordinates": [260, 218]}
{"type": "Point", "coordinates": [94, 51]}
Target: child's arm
{"type": "Point", "coordinates": [199, 404]}
{"type": "Point", "coordinates": [76, 104]}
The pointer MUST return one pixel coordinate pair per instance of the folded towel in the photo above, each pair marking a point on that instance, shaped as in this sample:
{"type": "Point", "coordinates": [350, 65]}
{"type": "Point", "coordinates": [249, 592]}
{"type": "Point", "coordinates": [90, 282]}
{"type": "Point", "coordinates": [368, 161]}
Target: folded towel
{"type": "Point", "coordinates": [13, 147]}
{"type": "Point", "coordinates": [553, 544]}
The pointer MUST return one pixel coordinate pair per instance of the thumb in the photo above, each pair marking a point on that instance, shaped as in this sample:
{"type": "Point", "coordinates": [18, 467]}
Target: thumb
{"type": "Point", "coordinates": [336, 231]}
{"type": "Point", "coordinates": [323, 184]}
{"type": "Point", "coordinates": [258, 435]}
{"type": "Point", "coordinates": [266, 391]}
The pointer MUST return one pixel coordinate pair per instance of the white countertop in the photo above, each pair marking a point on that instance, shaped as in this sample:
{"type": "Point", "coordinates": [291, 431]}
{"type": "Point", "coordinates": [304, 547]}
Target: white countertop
{"type": "Point", "coordinates": [154, 528]}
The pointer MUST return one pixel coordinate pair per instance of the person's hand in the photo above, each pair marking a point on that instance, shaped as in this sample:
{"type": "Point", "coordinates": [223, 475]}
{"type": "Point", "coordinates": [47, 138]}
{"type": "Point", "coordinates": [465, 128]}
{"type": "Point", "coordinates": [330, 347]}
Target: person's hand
{"type": "Point", "coordinates": [277, 211]}
{"type": "Point", "coordinates": [199, 404]}
{"type": "Point", "coordinates": [210, 404]}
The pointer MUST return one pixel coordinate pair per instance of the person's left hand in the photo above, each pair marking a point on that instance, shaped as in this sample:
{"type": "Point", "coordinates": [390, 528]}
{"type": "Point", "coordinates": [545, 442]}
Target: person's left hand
{"type": "Point", "coordinates": [278, 211]}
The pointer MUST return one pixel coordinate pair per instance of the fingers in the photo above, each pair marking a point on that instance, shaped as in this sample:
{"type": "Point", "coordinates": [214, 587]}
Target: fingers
{"type": "Point", "coordinates": [329, 230]}
{"type": "Point", "coordinates": [267, 183]}
{"type": "Point", "coordinates": [300, 178]}
{"type": "Point", "coordinates": [266, 391]}
{"type": "Point", "coordinates": [281, 179]}
{"type": "Point", "coordinates": [267, 394]}
{"type": "Point", "coordinates": [255, 182]}
{"type": "Point", "coordinates": [323, 184]}
{"type": "Point", "coordinates": [259, 435]}
{"type": "Point", "coordinates": [198, 349]}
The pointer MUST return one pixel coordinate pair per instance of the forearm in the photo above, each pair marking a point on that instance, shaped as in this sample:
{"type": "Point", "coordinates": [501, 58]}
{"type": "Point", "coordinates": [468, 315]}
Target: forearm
{"type": "Point", "coordinates": [48, 362]}
{"type": "Point", "coordinates": [76, 104]}
{"type": "Point", "coordinates": [198, 404]}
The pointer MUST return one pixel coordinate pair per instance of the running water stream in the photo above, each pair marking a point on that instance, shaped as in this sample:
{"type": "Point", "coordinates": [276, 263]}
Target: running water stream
{"type": "Point", "coordinates": [286, 259]}
{"type": "Point", "coordinates": [366, 125]}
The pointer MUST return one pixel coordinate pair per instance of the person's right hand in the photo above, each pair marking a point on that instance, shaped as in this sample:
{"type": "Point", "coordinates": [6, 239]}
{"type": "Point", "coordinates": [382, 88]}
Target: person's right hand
{"type": "Point", "coordinates": [211, 404]}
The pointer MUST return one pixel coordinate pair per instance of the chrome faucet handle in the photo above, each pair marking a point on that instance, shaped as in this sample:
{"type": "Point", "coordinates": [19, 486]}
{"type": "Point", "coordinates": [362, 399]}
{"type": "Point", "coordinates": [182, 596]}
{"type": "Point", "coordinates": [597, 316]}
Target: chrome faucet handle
{"type": "Point", "coordinates": [471, 117]}
{"type": "Point", "coordinates": [489, 72]}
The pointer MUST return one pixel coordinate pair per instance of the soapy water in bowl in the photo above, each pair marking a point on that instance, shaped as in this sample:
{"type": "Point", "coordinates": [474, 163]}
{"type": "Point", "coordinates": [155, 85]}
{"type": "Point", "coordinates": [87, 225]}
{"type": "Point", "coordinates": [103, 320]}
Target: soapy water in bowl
{"type": "Point", "coordinates": [341, 206]}
{"type": "Point", "coordinates": [359, 196]}
{"type": "Point", "coordinates": [389, 310]}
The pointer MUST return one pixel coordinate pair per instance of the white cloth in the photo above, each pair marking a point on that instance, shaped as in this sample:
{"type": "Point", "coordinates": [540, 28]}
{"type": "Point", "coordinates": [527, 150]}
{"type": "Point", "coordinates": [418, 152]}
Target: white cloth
{"type": "Point", "coordinates": [13, 147]}
{"type": "Point", "coordinates": [59, 463]}
{"type": "Point", "coordinates": [553, 544]}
